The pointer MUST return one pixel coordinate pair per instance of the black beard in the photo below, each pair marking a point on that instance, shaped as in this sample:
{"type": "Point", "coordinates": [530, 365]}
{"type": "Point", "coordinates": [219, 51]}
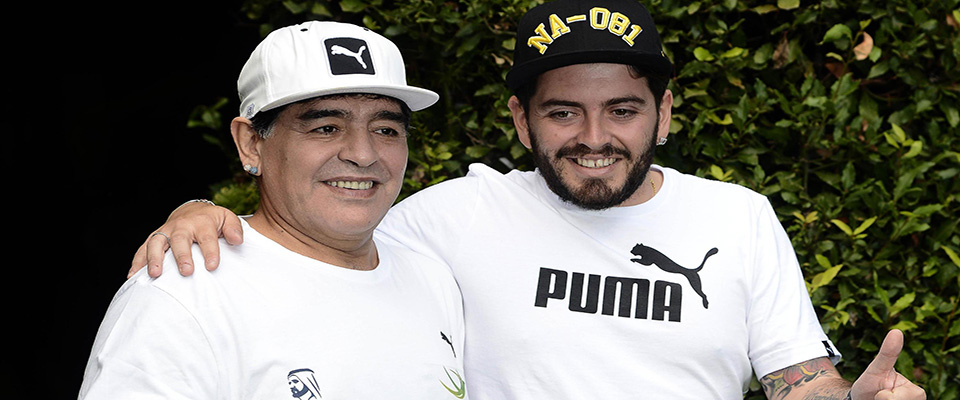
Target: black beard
{"type": "Point", "coordinates": [594, 194]}
{"type": "Point", "coordinates": [299, 393]}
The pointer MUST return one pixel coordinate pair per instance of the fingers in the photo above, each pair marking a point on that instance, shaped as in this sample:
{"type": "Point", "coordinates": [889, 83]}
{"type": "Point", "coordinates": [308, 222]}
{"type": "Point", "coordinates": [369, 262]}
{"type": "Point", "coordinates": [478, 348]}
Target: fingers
{"type": "Point", "coordinates": [192, 222]}
{"type": "Point", "coordinates": [139, 260]}
{"type": "Point", "coordinates": [210, 248]}
{"type": "Point", "coordinates": [180, 247]}
{"type": "Point", "coordinates": [883, 364]}
{"type": "Point", "coordinates": [156, 245]}
{"type": "Point", "coordinates": [908, 391]}
{"type": "Point", "coordinates": [232, 230]}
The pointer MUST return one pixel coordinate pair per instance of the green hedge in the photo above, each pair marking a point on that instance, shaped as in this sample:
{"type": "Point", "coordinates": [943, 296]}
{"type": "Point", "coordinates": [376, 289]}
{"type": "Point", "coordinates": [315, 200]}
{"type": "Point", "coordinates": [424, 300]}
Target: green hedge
{"type": "Point", "coordinates": [845, 114]}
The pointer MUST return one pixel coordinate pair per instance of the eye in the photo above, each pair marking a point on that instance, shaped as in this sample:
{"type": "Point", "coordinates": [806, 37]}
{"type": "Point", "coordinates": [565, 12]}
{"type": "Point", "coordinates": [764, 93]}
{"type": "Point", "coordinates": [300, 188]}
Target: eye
{"type": "Point", "coordinates": [561, 114]}
{"type": "Point", "coordinates": [623, 112]}
{"type": "Point", "coordinates": [325, 130]}
{"type": "Point", "coordinates": [390, 132]}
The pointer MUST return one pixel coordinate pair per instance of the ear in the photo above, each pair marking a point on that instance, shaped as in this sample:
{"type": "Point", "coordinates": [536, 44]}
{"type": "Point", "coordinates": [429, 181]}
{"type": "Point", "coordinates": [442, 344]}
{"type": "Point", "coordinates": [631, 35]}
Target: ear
{"type": "Point", "coordinates": [247, 141]}
{"type": "Point", "coordinates": [666, 114]}
{"type": "Point", "coordinates": [519, 120]}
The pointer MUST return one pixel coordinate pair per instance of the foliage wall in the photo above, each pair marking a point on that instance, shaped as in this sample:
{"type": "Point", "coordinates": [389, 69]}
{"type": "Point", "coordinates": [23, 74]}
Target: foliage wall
{"type": "Point", "coordinates": [845, 114]}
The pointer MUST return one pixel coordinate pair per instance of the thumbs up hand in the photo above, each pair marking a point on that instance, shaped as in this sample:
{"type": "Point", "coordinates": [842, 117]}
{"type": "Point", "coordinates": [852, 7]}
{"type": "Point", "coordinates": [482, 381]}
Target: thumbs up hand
{"type": "Point", "coordinates": [880, 380]}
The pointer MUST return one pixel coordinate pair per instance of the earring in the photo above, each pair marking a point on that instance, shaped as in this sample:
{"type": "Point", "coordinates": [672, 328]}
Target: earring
{"type": "Point", "coordinates": [662, 141]}
{"type": "Point", "coordinates": [250, 169]}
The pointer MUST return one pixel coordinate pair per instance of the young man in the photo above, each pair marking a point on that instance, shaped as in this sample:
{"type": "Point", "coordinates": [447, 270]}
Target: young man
{"type": "Point", "coordinates": [601, 275]}
{"type": "Point", "coordinates": [312, 306]}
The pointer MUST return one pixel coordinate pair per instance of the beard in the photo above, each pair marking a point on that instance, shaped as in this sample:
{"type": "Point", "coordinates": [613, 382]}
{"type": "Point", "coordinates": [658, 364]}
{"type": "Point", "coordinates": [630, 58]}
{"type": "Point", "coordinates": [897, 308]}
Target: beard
{"type": "Point", "coordinates": [593, 193]}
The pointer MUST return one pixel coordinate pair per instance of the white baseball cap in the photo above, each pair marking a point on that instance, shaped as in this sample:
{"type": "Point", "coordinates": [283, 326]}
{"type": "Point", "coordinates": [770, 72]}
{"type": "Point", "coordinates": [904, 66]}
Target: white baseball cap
{"type": "Point", "coordinates": [319, 58]}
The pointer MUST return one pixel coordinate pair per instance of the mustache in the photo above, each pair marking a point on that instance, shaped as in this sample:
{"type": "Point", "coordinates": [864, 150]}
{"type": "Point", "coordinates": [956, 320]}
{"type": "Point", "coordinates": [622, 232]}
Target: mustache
{"type": "Point", "coordinates": [580, 150]}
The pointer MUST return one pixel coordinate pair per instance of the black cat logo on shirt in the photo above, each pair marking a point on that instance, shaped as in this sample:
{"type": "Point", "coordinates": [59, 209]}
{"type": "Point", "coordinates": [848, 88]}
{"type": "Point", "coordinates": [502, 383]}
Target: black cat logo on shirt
{"type": "Point", "coordinates": [624, 296]}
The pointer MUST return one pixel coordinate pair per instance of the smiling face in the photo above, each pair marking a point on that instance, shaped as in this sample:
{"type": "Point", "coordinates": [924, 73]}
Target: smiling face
{"type": "Point", "coordinates": [329, 170]}
{"type": "Point", "coordinates": [593, 129]}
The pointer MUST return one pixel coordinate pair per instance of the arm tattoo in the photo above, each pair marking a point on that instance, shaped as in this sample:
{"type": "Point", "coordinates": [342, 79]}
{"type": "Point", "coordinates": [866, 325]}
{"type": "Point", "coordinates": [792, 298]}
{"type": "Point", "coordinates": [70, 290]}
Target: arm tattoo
{"type": "Point", "coordinates": [779, 384]}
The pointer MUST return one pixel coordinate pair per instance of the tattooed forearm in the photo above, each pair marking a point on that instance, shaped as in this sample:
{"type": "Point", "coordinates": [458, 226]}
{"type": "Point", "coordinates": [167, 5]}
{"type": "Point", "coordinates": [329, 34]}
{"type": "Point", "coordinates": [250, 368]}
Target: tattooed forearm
{"type": "Point", "coordinates": [797, 379]}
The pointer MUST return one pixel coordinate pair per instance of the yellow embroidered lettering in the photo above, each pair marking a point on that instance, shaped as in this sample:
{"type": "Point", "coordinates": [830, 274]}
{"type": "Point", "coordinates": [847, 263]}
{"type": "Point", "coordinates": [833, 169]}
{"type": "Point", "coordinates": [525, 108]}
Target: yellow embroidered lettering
{"type": "Point", "coordinates": [634, 31]}
{"type": "Point", "coordinates": [618, 24]}
{"type": "Point", "coordinates": [540, 42]}
{"type": "Point", "coordinates": [604, 15]}
{"type": "Point", "coordinates": [576, 18]}
{"type": "Point", "coordinates": [557, 26]}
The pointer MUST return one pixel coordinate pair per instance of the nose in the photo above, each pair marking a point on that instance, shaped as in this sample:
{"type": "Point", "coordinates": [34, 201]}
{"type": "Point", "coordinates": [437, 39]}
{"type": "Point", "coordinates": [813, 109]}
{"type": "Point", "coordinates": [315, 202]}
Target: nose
{"type": "Point", "coordinates": [594, 134]}
{"type": "Point", "coordinates": [359, 149]}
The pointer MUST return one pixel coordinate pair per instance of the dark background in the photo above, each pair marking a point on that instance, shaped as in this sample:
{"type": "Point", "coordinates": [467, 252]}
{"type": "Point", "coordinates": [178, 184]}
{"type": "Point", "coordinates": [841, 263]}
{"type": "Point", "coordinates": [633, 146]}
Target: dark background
{"type": "Point", "coordinates": [97, 155]}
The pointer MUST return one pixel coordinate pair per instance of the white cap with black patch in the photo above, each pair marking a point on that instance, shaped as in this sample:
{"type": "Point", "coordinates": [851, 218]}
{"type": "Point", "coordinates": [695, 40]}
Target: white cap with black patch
{"type": "Point", "coordinates": [319, 58]}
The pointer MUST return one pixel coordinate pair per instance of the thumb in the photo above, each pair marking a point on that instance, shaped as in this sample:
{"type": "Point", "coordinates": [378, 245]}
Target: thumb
{"type": "Point", "coordinates": [884, 363]}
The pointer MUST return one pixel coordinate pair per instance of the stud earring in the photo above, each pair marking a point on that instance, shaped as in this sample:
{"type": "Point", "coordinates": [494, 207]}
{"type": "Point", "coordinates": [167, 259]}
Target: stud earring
{"type": "Point", "coordinates": [250, 169]}
{"type": "Point", "coordinates": [662, 141]}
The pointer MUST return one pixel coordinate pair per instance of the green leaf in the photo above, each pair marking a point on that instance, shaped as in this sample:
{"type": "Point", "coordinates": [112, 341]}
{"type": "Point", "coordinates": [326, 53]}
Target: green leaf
{"type": "Point", "coordinates": [837, 32]}
{"type": "Point", "coordinates": [763, 9]}
{"type": "Point", "coordinates": [702, 54]}
{"type": "Point", "coordinates": [726, 120]}
{"type": "Point", "coordinates": [902, 303]}
{"type": "Point", "coordinates": [863, 227]}
{"type": "Point", "coordinates": [823, 261]}
{"type": "Point", "coordinates": [848, 176]}
{"type": "Point", "coordinates": [824, 277]}
{"type": "Point", "coordinates": [916, 147]}
{"type": "Point", "coordinates": [952, 255]}
{"type": "Point", "coordinates": [719, 174]}
{"type": "Point", "coordinates": [734, 52]}
{"type": "Point", "coordinates": [352, 6]}
{"type": "Point", "coordinates": [788, 4]}
{"type": "Point", "coordinates": [904, 326]}
{"type": "Point", "coordinates": [477, 151]}
{"type": "Point", "coordinates": [899, 133]}
{"type": "Point", "coordinates": [843, 226]}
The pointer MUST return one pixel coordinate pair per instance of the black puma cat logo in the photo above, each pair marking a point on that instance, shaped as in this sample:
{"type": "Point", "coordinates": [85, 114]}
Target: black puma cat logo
{"type": "Point", "coordinates": [648, 255]}
{"type": "Point", "coordinates": [446, 339]}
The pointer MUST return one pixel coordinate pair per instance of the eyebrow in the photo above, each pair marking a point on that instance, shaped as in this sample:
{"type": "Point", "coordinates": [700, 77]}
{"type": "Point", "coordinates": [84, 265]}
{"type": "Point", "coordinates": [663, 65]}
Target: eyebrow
{"type": "Point", "coordinates": [314, 114]}
{"type": "Point", "coordinates": [625, 99]}
{"type": "Point", "coordinates": [607, 103]}
{"type": "Point", "coordinates": [390, 116]}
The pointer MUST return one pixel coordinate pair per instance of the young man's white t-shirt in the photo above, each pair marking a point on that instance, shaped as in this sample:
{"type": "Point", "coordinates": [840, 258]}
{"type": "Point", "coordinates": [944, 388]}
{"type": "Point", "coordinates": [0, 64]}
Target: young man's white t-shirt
{"type": "Point", "coordinates": [543, 287]}
{"type": "Point", "coordinates": [272, 324]}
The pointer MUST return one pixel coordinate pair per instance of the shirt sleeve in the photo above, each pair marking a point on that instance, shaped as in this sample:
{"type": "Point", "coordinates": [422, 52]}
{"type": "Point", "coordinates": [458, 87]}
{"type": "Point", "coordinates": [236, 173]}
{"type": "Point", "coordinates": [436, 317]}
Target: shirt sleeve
{"type": "Point", "coordinates": [149, 347]}
{"type": "Point", "coordinates": [784, 328]}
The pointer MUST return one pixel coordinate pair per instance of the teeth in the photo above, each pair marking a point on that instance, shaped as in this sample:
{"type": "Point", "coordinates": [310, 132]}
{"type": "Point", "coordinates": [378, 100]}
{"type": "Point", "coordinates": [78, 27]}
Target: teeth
{"type": "Point", "coordinates": [595, 163]}
{"type": "Point", "coordinates": [352, 185]}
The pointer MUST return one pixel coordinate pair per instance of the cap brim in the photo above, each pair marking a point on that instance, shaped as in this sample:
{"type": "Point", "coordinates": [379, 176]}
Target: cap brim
{"type": "Point", "coordinates": [415, 98]}
{"type": "Point", "coordinates": [521, 74]}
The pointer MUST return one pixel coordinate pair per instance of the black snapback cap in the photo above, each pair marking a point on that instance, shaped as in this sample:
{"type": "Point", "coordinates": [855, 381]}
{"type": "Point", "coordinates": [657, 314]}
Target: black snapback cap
{"type": "Point", "coordinates": [568, 32]}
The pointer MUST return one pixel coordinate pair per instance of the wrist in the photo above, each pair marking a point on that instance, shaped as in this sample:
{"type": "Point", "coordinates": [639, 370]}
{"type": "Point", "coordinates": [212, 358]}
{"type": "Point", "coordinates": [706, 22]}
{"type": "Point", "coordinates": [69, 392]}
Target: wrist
{"type": "Point", "coordinates": [205, 201]}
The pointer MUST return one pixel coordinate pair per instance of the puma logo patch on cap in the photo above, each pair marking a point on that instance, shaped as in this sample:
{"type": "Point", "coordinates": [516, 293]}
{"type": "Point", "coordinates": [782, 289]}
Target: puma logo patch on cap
{"type": "Point", "coordinates": [349, 56]}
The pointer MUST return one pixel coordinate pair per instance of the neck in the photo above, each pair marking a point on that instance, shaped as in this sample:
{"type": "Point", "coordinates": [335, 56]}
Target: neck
{"type": "Point", "coordinates": [359, 253]}
{"type": "Point", "coordinates": [650, 187]}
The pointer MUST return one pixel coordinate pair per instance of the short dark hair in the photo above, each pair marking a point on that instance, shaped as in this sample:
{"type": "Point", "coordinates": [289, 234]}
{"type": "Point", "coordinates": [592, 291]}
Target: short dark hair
{"type": "Point", "coordinates": [263, 122]}
{"type": "Point", "coordinates": [656, 83]}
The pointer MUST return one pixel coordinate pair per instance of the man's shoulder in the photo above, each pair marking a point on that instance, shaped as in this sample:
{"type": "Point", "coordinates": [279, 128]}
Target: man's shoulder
{"type": "Point", "coordinates": [478, 174]}
{"type": "Point", "coordinates": [715, 188]}
{"type": "Point", "coordinates": [406, 260]}
{"type": "Point", "coordinates": [231, 271]}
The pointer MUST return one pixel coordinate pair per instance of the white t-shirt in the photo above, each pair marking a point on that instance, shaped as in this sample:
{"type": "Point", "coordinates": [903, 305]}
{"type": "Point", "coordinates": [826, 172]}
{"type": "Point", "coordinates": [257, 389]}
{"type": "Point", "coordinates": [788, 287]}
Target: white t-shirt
{"type": "Point", "coordinates": [542, 283]}
{"type": "Point", "coordinates": [272, 324]}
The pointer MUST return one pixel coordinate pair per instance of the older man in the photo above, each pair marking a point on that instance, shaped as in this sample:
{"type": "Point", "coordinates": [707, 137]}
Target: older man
{"type": "Point", "coordinates": [600, 275]}
{"type": "Point", "coordinates": [312, 306]}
